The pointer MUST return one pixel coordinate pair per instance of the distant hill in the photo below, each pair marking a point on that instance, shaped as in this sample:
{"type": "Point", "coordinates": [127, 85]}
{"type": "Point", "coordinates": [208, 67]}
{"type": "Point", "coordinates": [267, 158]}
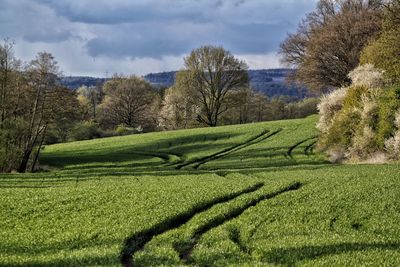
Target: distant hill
{"type": "Point", "coordinates": [270, 82]}
{"type": "Point", "coordinates": [74, 82]}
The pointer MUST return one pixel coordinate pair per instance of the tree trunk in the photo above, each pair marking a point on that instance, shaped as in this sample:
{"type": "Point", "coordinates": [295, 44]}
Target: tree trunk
{"type": "Point", "coordinates": [24, 162]}
{"type": "Point", "coordinates": [39, 148]}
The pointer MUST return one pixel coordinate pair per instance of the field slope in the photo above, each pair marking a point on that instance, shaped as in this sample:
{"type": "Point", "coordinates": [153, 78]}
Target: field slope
{"type": "Point", "coordinates": [243, 195]}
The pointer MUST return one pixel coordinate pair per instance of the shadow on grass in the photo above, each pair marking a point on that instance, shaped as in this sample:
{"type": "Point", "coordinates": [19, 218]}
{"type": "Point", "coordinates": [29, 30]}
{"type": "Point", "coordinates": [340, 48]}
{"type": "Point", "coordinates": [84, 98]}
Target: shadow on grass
{"type": "Point", "coordinates": [173, 146]}
{"type": "Point", "coordinates": [291, 256]}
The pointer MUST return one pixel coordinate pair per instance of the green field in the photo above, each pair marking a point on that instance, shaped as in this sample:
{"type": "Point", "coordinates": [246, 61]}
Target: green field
{"type": "Point", "coordinates": [242, 195]}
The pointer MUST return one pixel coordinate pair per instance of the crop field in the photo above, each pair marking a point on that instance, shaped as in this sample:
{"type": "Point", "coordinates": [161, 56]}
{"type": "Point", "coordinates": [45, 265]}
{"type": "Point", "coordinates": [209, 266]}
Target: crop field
{"type": "Point", "coordinates": [243, 195]}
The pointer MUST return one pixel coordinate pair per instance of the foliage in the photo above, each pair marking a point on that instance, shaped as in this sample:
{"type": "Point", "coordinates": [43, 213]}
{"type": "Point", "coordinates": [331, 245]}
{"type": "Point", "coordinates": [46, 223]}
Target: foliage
{"type": "Point", "coordinates": [356, 121]}
{"type": "Point", "coordinates": [329, 105]}
{"type": "Point", "coordinates": [180, 106]}
{"type": "Point", "coordinates": [389, 103]}
{"type": "Point", "coordinates": [84, 131]}
{"type": "Point", "coordinates": [31, 96]}
{"type": "Point", "coordinates": [89, 99]}
{"type": "Point", "coordinates": [11, 132]}
{"type": "Point", "coordinates": [367, 76]}
{"type": "Point", "coordinates": [302, 108]}
{"type": "Point", "coordinates": [385, 50]}
{"type": "Point", "coordinates": [392, 144]}
{"type": "Point", "coordinates": [123, 130]}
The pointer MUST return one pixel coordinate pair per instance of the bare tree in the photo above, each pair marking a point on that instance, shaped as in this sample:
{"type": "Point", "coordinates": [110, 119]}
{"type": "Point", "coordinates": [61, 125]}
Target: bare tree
{"type": "Point", "coordinates": [126, 101]}
{"type": "Point", "coordinates": [8, 68]}
{"type": "Point", "coordinates": [328, 42]}
{"type": "Point", "coordinates": [214, 72]}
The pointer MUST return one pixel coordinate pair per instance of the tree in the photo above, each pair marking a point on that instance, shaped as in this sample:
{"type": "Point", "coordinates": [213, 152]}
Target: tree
{"type": "Point", "coordinates": [31, 104]}
{"type": "Point", "coordinates": [384, 52]}
{"type": "Point", "coordinates": [90, 98]}
{"type": "Point", "coordinates": [127, 101]}
{"type": "Point", "coordinates": [13, 101]}
{"type": "Point", "coordinates": [179, 108]}
{"type": "Point", "coordinates": [328, 42]}
{"type": "Point", "coordinates": [42, 74]}
{"type": "Point", "coordinates": [9, 80]}
{"type": "Point", "coordinates": [64, 114]}
{"type": "Point", "coordinates": [241, 106]}
{"type": "Point", "coordinates": [213, 72]}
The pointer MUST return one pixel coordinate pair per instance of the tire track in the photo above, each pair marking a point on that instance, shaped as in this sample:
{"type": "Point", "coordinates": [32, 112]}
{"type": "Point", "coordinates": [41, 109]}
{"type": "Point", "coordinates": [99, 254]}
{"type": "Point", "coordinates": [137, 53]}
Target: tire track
{"type": "Point", "coordinates": [166, 157]}
{"type": "Point", "coordinates": [185, 249]}
{"type": "Point", "coordinates": [137, 241]}
{"type": "Point", "coordinates": [309, 149]}
{"type": "Point", "coordinates": [253, 140]}
{"type": "Point", "coordinates": [234, 236]}
{"type": "Point", "coordinates": [289, 153]}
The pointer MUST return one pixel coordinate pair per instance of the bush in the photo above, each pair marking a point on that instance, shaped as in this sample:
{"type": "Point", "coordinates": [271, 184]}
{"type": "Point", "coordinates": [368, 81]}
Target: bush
{"type": "Point", "coordinates": [359, 122]}
{"type": "Point", "coordinates": [328, 107]}
{"type": "Point", "coordinates": [122, 129]}
{"type": "Point", "coordinates": [363, 144]}
{"type": "Point", "coordinates": [302, 108]}
{"type": "Point", "coordinates": [341, 131]}
{"type": "Point", "coordinates": [85, 131]}
{"type": "Point", "coordinates": [384, 51]}
{"type": "Point", "coordinates": [351, 125]}
{"type": "Point", "coordinates": [392, 144]}
{"type": "Point", "coordinates": [367, 76]}
{"type": "Point", "coordinates": [12, 136]}
{"type": "Point", "coordinates": [389, 103]}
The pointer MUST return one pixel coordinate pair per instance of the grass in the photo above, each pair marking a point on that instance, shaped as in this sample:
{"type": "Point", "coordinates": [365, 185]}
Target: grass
{"type": "Point", "coordinates": [241, 195]}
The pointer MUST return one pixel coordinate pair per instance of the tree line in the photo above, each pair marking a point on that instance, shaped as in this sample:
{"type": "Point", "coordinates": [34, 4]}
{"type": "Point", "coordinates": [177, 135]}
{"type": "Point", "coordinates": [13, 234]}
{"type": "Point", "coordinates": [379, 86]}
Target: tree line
{"type": "Point", "coordinates": [35, 110]}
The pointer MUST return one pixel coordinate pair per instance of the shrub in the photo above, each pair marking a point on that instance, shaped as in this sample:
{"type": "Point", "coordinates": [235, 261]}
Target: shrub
{"type": "Point", "coordinates": [302, 108]}
{"type": "Point", "coordinates": [341, 131]}
{"type": "Point", "coordinates": [330, 104]}
{"type": "Point", "coordinates": [392, 144]}
{"type": "Point", "coordinates": [389, 103]}
{"type": "Point", "coordinates": [363, 144]}
{"type": "Point", "coordinates": [12, 136]}
{"type": "Point", "coordinates": [367, 76]}
{"type": "Point", "coordinates": [122, 129]}
{"type": "Point", "coordinates": [85, 131]}
{"type": "Point", "coordinates": [358, 122]}
{"type": "Point", "coordinates": [336, 154]}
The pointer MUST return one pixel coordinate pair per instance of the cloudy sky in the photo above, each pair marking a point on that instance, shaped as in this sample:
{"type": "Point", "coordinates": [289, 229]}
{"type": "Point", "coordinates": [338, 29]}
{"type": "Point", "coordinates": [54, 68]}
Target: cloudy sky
{"type": "Point", "coordinates": [102, 37]}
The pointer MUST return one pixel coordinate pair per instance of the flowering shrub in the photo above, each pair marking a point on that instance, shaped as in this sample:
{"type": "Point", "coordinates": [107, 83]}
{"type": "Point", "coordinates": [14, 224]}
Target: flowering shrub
{"type": "Point", "coordinates": [357, 123]}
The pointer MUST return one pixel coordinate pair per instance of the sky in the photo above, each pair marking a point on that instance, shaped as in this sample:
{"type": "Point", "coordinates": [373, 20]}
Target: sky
{"type": "Point", "coordinates": [102, 37]}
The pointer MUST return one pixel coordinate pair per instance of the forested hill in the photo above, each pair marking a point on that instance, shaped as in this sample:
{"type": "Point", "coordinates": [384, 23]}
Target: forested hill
{"type": "Point", "coordinates": [271, 82]}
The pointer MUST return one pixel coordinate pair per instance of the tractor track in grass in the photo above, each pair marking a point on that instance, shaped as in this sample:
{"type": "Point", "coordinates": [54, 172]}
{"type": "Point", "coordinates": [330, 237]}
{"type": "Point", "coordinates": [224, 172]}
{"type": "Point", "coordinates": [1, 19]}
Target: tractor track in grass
{"type": "Point", "coordinates": [168, 158]}
{"type": "Point", "coordinates": [264, 135]}
{"type": "Point", "coordinates": [137, 241]}
{"type": "Point", "coordinates": [309, 149]}
{"type": "Point", "coordinates": [185, 250]}
{"type": "Point", "coordinates": [289, 152]}
{"type": "Point", "coordinates": [234, 236]}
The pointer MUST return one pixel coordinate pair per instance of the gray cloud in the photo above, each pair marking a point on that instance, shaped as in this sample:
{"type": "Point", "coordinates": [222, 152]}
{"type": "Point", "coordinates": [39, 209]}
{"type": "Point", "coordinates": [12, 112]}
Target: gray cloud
{"type": "Point", "coordinates": [149, 29]}
{"type": "Point", "coordinates": [124, 11]}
